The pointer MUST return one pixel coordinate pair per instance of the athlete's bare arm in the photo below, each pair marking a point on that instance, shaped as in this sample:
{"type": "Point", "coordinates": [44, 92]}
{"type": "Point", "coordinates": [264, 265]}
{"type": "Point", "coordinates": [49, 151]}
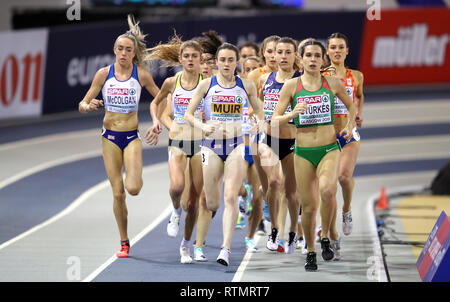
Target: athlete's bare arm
{"type": "Point", "coordinates": [147, 81]}
{"type": "Point", "coordinates": [359, 96]}
{"type": "Point", "coordinates": [287, 92]}
{"type": "Point", "coordinates": [255, 104]}
{"type": "Point", "coordinates": [338, 89]}
{"type": "Point", "coordinates": [89, 103]}
{"type": "Point", "coordinates": [199, 94]}
{"type": "Point", "coordinates": [166, 88]}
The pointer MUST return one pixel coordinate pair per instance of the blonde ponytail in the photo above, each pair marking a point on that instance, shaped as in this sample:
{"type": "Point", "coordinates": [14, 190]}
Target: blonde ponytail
{"type": "Point", "coordinates": [136, 35]}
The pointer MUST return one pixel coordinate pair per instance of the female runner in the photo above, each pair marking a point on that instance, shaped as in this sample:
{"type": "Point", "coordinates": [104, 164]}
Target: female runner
{"type": "Point", "coordinates": [317, 153]}
{"type": "Point", "coordinates": [184, 141]}
{"type": "Point", "coordinates": [225, 96]}
{"type": "Point", "coordinates": [121, 85]}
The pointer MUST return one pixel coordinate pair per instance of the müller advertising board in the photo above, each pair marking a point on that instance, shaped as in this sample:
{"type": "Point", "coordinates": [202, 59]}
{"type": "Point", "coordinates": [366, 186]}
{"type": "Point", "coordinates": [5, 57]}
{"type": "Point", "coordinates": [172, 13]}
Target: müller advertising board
{"type": "Point", "coordinates": [409, 46]}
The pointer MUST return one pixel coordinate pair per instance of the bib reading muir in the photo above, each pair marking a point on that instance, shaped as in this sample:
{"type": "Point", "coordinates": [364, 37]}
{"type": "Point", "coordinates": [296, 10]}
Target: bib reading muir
{"type": "Point", "coordinates": [226, 108]}
{"type": "Point", "coordinates": [225, 104]}
{"type": "Point", "coordinates": [320, 103]}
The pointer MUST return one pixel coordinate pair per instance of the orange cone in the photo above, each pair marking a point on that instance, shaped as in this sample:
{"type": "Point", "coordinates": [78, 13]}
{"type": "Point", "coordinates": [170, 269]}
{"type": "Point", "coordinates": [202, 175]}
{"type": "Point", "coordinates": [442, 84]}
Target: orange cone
{"type": "Point", "coordinates": [383, 200]}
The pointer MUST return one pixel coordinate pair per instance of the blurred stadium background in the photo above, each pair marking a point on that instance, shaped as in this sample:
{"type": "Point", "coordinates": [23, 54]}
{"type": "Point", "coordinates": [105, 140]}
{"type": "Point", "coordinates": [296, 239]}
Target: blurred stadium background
{"type": "Point", "coordinates": [50, 49]}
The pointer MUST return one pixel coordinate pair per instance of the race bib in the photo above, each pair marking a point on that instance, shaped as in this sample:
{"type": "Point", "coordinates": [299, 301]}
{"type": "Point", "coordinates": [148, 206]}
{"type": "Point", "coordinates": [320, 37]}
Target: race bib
{"type": "Point", "coordinates": [226, 108]}
{"type": "Point", "coordinates": [318, 111]}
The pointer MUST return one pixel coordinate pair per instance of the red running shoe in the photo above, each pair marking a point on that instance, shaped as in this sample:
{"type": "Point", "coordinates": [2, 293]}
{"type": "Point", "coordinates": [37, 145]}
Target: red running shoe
{"type": "Point", "coordinates": [124, 250]}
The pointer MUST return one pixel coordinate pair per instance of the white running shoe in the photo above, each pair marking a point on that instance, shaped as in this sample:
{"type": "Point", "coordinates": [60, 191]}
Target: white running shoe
{"type": "Point", "coordinates": [291, 243]}
{"type": "Point", "coordinates": [199, 255]}
{"type": "Point", "coordinates": [347, 223]}
{"type": "Point", "coordinates": [174, 225]}
{"type": "Point", "coordinates": [336, 247]}
{"type": "Point", "coordinates": [301, 245]}
{"type": "Point", "coordinates": [224, 256]}
{"type": "Point", "coordinates": [250, 244]}
{"type": "Point", "coordinates": [185, 253]}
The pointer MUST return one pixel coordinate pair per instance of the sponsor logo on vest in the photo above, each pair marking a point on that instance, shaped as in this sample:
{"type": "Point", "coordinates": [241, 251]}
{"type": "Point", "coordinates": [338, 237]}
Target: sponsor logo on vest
{"type": "Point", "coordinates": [310, 99]}
{"type": "Point", "coordinates": [224, 99]}
{"type": "Point", "coordinates": [117, 91]}
{"type": "Point", "coordinates": [271, 97]}
{"type": "Point", "coordinates": [411, 48]}
{"type": "Point", "coordinates": [182, 101]}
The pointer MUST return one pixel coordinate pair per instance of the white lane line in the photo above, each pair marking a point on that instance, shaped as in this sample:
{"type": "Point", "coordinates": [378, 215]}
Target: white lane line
{"type": "Point", "coordinates": [241, 269]}
{"type": "Point", "coordinates": [75, 204]}
{"type": "Point", "coordinates": [48, 165]}
{"type": "Point", "coordinates": [80, 200]}
{"type": "Point", "coordinates": [49, 139]}
{"type": "Point", "coordinates": [133, 241]}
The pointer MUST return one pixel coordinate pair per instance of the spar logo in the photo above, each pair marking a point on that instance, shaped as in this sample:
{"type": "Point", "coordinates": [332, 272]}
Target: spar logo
{"type": "Point", "coordinates": [224, 99]}
{"type": "Point", "coordinates": [119, 91]}
{"type": "Point", "coordinates": [182, 101]}
{"type": "Point", "coordinates": [271, 97]}
{"type": "Point", "coordinates": [310, 99]}
{"type": "Point", "coordinates": [412, 47]}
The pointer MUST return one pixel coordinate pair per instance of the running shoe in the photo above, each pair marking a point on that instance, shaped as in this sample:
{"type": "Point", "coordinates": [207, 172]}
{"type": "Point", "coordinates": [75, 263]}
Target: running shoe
{"type": "Point", "coordinates": [318, 232]}
{"type": "Point", "coordinates": [199, 255]}
{"type": "Point", "coordinates": [327, 253]}
{"type": "Point", "coordinates": [301, 245]}
{"type": "Point", "coordinates": [250, 244]}
{"type": "Point", "coordinates": [274, 243]}
{"type": "Point", "coordinates": [266, 211]}
{"type": "Point", "coordinates": [124, 250]}
{"type": "Point", "coordinates": [311, 262]}
{"type": "Point", "coordinates": [336, 247]}
{"type": "Point", "coordinates": [280, 248]}
{"type": "Point", "coordinates": [261, 230]}
{"type": "Point", "coordinates": [291, 244]}
{"type": "Point", "coordinates": [174, 225]}
{"type": "Point", "coordinates": [185, 253]}
{"type": "Point", "coordinates": [224, 256]}
{"type": "Point", "coordinates": [244, 202]}
{"type": "Point", "coordinates": [240, 224]}
{"type": "Point", "coordinates": [347, 223]}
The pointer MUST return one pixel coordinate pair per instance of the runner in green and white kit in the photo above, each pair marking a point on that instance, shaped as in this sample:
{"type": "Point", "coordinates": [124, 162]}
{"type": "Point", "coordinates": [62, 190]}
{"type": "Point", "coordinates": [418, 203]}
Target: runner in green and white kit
{"type": "Point", "coordinates": [311, 97]}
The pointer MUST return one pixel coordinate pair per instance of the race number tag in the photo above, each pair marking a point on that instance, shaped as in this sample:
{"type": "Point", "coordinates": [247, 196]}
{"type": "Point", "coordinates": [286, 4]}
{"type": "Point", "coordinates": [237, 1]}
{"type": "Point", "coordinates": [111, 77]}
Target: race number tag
{"type": "Point", "coordinates": [356, 134]}
{"type": "Point", "coordinates": [205, 156]}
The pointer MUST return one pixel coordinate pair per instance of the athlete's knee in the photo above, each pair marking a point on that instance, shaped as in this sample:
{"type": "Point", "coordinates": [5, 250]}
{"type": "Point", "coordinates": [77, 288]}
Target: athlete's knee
{"type": "Point", "coordinates": [119, 196]}
{"type": "Point", "coordinates": [134, 189]}
{"type": "Point", "coordinates": [328, 191]}
{"type": "Point", "coordinates": [275, 183]}
{"type": "Point", "coordinates": [212, 206]}
{"type": "Point", "coordinates": [345, 180]}
{"type": "Point", "coordinates": [309, 208]}
{"type": "Point", "coordinates": [191, 206]}
{"type": "Point", "coordinates": [230, 199]}
{"type": "Point", "coordinates": [176, 189]}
